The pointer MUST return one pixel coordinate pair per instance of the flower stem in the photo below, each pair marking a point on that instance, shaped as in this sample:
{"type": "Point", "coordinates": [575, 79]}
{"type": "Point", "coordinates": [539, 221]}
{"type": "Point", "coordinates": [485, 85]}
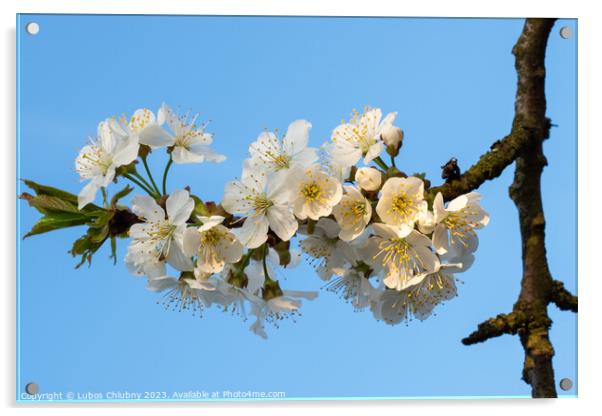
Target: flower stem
{"type": "Point", "coordinates": [393, 161]}
{"type": "Point", "coordinates": [265, 264]}
{"type": "Point", "coordinates": [141, 185]}
{"type": "Point", "coordinates": [150, 176]}
{"type": "Point", "coordinates": [145, 182]}
{"type": "Point", "coordinates": [381, 163]}
{"type": "Point", "coordinates": [104, 197]}
{"type": "Point", "coordinates": [165, 175]}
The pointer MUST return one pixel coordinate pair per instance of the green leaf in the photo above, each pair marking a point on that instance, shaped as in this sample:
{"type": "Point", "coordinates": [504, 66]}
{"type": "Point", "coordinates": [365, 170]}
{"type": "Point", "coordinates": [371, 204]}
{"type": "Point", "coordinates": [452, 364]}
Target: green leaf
{"type": "Point", "coordinates": [88, 244]}
{"type": "Point", "coordinates": [50, 204]}
{"type": "Point", "coordinates": [124, 192]}
{"type": "Point", "coordinates": [57, 221]}
{"type": "Point", "coordinates": [199, 206]}
{"type": "Point", "coordinates": [58, 193]}
{"type": "Point", "coordinates": [48, 190]}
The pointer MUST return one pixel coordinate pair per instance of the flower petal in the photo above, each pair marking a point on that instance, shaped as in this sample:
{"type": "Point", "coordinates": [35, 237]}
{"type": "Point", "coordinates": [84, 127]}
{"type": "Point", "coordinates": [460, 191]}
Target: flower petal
{"type": "Point", "coordinates": [155, 136]}
{"type": "Point", "coordinates": [282, 221]}
{"type": "Point", "coordinates": [297, 137]}
{"type": "Point", "coordinates": [441, 239]}
{"type": "Point", "coordinates": [177, 259]}
{"type": "Point", "coordinates": [87, 194]}
{"type": "Point", "coordinates": [191, 241]}
{"type": "Point", "coordinates": [182, 155]}
{"type": "Point", "coordinates": [254, 232]}
{"type": "Point", "coordinates": [179, 207]}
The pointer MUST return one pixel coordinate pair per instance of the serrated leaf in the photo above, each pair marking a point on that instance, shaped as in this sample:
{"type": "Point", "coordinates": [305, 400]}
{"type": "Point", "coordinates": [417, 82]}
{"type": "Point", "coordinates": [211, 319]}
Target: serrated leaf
{"type": "Point", "coordinates": [56, 221]}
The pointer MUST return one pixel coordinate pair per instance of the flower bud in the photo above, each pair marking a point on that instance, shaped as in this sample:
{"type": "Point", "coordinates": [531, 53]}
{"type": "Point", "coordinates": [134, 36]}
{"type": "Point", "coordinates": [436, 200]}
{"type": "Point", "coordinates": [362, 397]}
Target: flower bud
{"type": "Point", "coordinates": [392, 136]}
{"type": "Point", "coordinates": [369, 179]}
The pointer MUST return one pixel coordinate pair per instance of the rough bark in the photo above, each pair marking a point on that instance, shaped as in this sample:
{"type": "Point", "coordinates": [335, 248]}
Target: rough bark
{"type": "Point", "coordinates": [529, 317]}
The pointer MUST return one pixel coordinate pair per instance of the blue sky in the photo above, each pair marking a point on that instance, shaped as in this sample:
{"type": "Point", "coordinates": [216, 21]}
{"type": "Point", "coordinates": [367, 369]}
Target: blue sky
{"type": "Point", "coordinates": [452, 82]}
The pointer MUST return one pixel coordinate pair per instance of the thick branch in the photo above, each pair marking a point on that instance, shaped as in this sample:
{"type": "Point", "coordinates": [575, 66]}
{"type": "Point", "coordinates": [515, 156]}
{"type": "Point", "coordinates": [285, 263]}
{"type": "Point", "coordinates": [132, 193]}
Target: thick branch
{"type": "Point", "coordinates": [564, 299]}
{"type": "Point", "coordinates": [529, 318]}
{"type": "Point", "coordinates": [525, 191]}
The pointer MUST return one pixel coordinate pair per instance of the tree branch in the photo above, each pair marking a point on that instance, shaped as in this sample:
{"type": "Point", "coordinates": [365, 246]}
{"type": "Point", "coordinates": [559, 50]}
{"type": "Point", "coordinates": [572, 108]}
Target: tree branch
{"type": "Point", "coordinates": [490, 165]}
{"type": "Point", "coordinates": [529, 318]}
{"type": "Point", "coordinates": [502, 324]}
{"type": "Point", "coordinates": [562, 298]}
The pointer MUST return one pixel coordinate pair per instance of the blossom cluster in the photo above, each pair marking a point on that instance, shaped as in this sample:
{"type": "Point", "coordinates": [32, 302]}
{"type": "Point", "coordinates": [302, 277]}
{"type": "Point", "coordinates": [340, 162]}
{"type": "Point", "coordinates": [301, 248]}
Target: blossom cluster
{"type": "Point", "coordinates": [373, 233]}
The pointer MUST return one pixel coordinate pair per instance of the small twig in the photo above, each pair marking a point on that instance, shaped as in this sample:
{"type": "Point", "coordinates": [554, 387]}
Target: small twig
{"type": "Point", "coordinates": [562, 298]}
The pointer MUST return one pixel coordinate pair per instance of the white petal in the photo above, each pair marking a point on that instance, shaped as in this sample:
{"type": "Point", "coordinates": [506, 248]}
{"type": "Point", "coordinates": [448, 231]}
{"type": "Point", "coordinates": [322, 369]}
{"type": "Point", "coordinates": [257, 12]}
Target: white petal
{"type": "Point", "coordinates": [177, 259]}
{"type": "Point", "coordinates": [210, 222]}
{"type": "Point", "coordinates": [387, 231]}
{"type": "Point", "coordinates": [208, 154]}
{"type": "Point", "coordinates": [297, 137]}
{"type": "Point", "coordinates": [254, 232]}
{"type": "Point", "coordinates": [305, 157]}
{"type": "Point", "coordinates": [279, 186]}
{"type": "Point", "coordinates": [457, 203]}
{"type": "Point", "coordinates": [155, 136]}
{"type": "Point", "coordinates": [439, 211]}
{"type": "Point", "coordinates": [429, 261]}
{"type": "Point", "coordinates": [329, 226]}
{"type": "Point", "coordinates": [441, 239]}
{"type": "Point", "coordinates": [179, 207]}
{"type": "Point", "coordinates": [191, 242]}
{"type": "Point", "coordinates": [145, 207]}
{"type": "Point", "coordinates": [373, 152]}
{"type": "Point", "coordinates": [87, 194]}
{"type": "Point", "coordinates": [126, 153]}
{"type": "Point", "coordinates": [181, 155]}
{"type": "Point", "coordinates": [161, 284]}
{"type": "Point", "coordinates": [282, 222]}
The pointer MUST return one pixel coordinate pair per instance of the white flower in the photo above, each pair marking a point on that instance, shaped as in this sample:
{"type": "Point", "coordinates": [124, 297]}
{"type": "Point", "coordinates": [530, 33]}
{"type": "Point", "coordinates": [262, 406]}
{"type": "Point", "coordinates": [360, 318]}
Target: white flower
{"type": "Point", "coordinates": [426, 222]}
{"type": "Point", "coordinates": [353, 213]}
{"type": "Point", "coordinates": [360, 137]}
{"type": "Point", "coordinates": [143, 126]}
{"type": "Point", "coordinates": [418, 300]}
{"type": "Point", "coordinates": [404, 254]}
{"type": "Point", "coordinates": [97, 161]}
{"type": "Point", "coordinates": [369, 179]}
{"type": "Point", "coordinates": [353, 287]}
{"type": "Point", "coordinates": [334, 168]}
{"type": "Point", "coordinates": [401, 201]}
{"type": "Point", "coordinates": [256, 273]}
{"type": "Point", "coordinates": [330, 255]}
{"type": "Point", "coordinates": [264, 203]}
{"type": "Point", "coordinates": [214, 244]}
{"type": "Point", "coordinates": [184, 293]}
{"type": "Point", "coordinates": [271, 155]}
{"type": "Point", "coordinates": [276, 309]}
{"type": "Point", "coordinates": [392, 136]}
{"type": "Point", "coordinates": [456, 224]}
{"type": "Point", "coordinates": [159, 239]}
{"type": "Point", "coordinates": [190, 143]}
{"type": "Point", "coordinates": [315, 193]}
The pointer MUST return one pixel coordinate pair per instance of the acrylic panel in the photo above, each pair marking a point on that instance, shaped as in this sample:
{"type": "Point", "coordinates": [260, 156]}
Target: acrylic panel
{"type": "Point", "coordinates": [382, 279]}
